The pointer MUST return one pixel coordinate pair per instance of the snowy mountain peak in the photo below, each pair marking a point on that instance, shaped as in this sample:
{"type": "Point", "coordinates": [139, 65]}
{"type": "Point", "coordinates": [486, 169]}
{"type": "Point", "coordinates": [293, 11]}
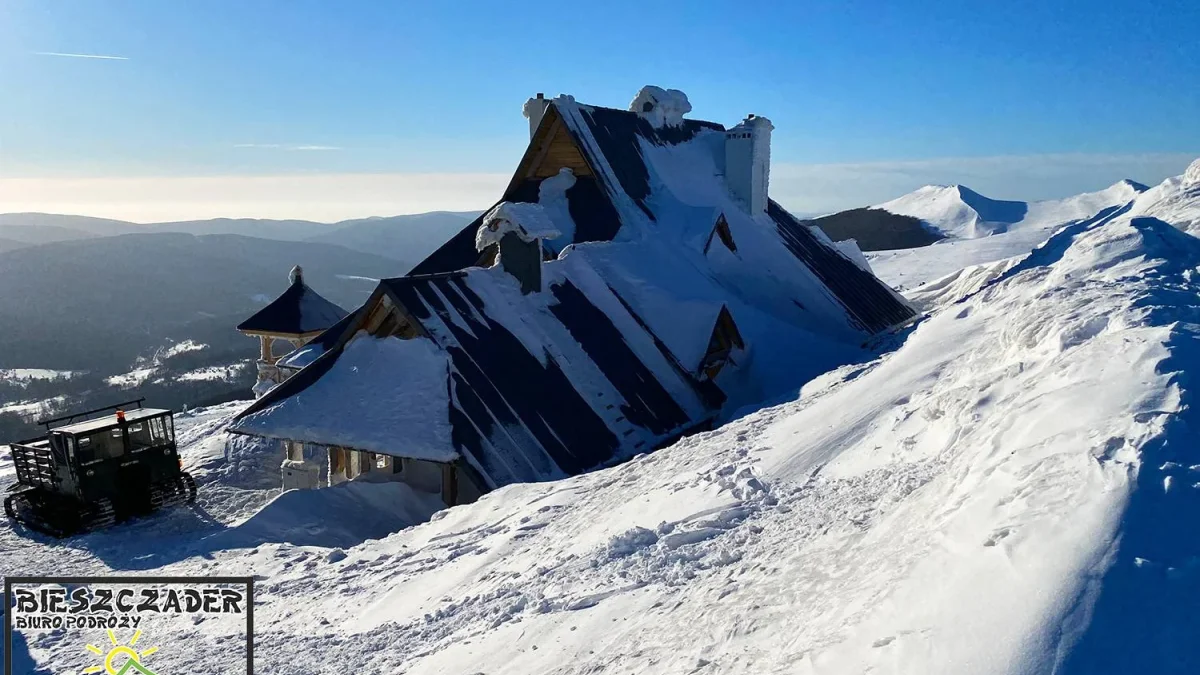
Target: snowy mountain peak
{"type": "Point", "coordinates": [1128, 184]}
{"type": "Point", "coordinates": [959, 212]}
{"type": "Point", "coordinates": [1192, 175]}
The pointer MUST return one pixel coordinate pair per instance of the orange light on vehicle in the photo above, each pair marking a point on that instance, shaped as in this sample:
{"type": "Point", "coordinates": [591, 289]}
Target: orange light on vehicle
{"type": "Point", "coordinates": [120, 415]}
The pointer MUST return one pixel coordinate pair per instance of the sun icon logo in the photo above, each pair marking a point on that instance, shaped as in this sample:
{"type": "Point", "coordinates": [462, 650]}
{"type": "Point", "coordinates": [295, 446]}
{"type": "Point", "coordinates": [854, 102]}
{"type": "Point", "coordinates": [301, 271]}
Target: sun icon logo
{"type": "Point", "coordinates": [132, 659]}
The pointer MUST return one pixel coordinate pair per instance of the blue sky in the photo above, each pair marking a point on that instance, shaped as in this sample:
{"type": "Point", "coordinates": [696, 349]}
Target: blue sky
{"type": "Point", "coordinates": [869, 99]}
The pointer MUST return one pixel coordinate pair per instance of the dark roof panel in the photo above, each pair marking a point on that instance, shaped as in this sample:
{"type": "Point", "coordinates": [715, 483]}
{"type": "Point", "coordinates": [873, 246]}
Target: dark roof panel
{"type": "Point", "coordinates": [869, 302]}
{"type": "Point", "coordinates": [525, 420]}
{"type": "Point", "coordinates": [298, 311]}
{"type": "Point", "coordinates": [647, 402]}
{"type": "Point", "coordinates": [617, 133]}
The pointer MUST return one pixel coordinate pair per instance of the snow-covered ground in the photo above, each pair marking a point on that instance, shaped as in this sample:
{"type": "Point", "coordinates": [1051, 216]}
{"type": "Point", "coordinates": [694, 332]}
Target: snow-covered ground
{"type": "Point", "coordinates": [131, 379]}
{"type": "Point", "coordinates": [32, 408]}
{"type": "Point", "coordinates": [1012, 488]}
{"type": "Point", "coordinates": [213, 373]}
{"type": "Point", "coordinates": [26, 374]}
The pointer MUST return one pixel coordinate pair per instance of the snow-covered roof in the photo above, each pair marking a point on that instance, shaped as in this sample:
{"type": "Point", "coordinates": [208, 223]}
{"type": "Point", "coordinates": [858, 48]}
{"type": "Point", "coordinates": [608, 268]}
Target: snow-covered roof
{"type": "Point", "coordinates": [663, 186]}
{"type": "Point", "coordinates": [298, 311]}
{"type": "Point", "coordinates": [552, 383]}
{"type": "Point", "coordinates": [302, 356]}
{"type": "Point", "coordinates": [383, 395]}
{"type": "Point", "coordinates": [542, 385]}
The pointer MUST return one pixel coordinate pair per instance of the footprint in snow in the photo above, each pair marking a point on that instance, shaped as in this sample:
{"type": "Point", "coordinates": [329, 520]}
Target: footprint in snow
{"type": "Point", "coordinates": [883, 642]}
{"type": "Point", "coordinates": [997, 536]}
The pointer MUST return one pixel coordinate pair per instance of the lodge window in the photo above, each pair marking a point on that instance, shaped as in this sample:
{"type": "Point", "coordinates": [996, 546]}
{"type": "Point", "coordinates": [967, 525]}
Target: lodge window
{"type": "Point", "coordinates": [724, 340]}
{"type": "Point", "coordinates": [722, 233]}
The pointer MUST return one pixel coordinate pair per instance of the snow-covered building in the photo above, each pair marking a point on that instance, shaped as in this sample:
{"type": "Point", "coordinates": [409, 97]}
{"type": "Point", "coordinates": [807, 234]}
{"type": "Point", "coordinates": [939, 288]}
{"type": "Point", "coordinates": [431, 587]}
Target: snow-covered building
{"type": "Point", "coordinates": [634, 282]}
{"type": "Point", "coordinates": [295, 318]}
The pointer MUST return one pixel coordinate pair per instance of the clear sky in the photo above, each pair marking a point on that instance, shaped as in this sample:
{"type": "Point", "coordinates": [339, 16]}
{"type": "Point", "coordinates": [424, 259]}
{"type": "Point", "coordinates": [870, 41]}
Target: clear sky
{"type": "Point", "coordinates": [322, 109]}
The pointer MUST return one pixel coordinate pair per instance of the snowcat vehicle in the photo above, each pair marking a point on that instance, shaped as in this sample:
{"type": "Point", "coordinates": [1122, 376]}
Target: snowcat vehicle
{"type": "Point", "coordinates": [87, 475]}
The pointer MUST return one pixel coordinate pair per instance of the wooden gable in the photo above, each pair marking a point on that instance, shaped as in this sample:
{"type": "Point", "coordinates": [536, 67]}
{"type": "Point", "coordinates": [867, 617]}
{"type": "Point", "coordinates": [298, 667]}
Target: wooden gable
{"type": "Point", "coordinates": [551, 148]}
{"type": "Point", "coordinates": [387, 319]}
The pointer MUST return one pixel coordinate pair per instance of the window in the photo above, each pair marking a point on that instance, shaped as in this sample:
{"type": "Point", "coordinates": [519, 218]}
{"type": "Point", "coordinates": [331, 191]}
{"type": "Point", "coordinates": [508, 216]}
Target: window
{"type": "Point", "coordinates": [106, 444]}
{"type": "Point", "coordinates": [724, 340]}
{"type": "Point", "coordinates": [140, 435]}
{"type": "Point", "coordinates": [721, 231]}
{"type": "Point", "coordinates": [158, 430]}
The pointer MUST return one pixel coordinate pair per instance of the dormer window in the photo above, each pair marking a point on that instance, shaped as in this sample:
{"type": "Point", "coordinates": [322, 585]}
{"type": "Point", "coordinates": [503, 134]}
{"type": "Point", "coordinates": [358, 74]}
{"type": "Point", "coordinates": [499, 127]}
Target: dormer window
{"type": "Point", "coordinates": [722, 233]}
{"type": "Point", "coordinates": [724, 342]}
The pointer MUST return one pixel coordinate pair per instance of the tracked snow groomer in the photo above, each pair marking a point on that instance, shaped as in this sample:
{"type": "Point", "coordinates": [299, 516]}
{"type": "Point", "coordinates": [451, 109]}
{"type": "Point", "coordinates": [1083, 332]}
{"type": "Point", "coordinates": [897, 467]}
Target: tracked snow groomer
{"type": "Point", "coordinates": [89, 474]}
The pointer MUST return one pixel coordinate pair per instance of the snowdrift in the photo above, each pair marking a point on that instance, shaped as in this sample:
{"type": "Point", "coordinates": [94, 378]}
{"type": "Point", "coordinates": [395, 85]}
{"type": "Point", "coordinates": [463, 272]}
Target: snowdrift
{"type": "Point", "coordinates": [344, 515]}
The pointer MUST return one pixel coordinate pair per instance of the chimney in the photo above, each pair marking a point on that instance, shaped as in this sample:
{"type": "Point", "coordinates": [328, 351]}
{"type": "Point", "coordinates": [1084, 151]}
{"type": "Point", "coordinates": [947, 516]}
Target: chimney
{"type": "Point", "coordinates": [534, 110]}
{"type": "Point", "coordinates": [522, 258]}
{"type": "Point", "coordinates": [748, 162]}
{"type": "Point", "coordinates": [517, 231]}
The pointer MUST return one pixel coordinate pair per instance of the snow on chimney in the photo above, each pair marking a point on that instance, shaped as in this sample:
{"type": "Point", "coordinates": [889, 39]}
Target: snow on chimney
{"type": "Point", "coordinates": [534, 110]}
{"type": "Point", "coordinates": [748, 162]}
{"type": "Point", "coordinates": [517, 230]}
{"type": "Point", "coordinates": [661, 107]}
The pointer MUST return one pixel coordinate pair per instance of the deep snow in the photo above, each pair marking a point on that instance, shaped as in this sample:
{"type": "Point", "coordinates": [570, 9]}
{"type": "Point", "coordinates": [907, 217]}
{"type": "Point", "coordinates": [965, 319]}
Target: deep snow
{"type": "Point", "coordinates": [1012, 488]}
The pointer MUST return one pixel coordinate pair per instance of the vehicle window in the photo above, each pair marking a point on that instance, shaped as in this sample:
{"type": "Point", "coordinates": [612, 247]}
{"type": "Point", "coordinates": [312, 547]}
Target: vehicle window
{"type": "Point", "coordinates": [83, 449]}
{"type": "Point", "coordinates": [58, 446]}
{"type": "Point", "coordinates": [105, 444]}
{"type": "Point", "coordinates": [159, 430]}
{"type": "Point", "coordinates": [140, 435]}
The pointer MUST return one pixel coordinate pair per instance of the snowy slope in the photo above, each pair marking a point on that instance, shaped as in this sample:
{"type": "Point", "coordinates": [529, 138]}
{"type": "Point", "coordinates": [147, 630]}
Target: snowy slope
{"type": "Point", "coordinates": [1013, 489]}
{"type": "Point", "coordinates": [959, 212]}
{"type": "Point", "coordinates": [1176, 201]}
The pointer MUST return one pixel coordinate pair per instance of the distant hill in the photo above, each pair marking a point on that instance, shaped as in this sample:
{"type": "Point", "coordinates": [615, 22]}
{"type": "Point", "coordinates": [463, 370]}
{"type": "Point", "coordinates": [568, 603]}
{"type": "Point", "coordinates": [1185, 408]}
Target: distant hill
{"type": "Point", "coordinates": [77, 226]}
{"type": "Point", "coordinates": [32, 235]}
{"type": "Point", "coordinates": [876, 229]}
{"type": "Point", "coordinates": [960, 212]}
{"type": "Point", "coordinates": [98, 304]}
{"type": "Point", "coordinates": [405, 238]}
{"type": "Point", "coordinates": [10, 244]}
{"type": "Point", "coordinates": [408, 238]}
{"type": "Point", "coordinates": [284, 230]}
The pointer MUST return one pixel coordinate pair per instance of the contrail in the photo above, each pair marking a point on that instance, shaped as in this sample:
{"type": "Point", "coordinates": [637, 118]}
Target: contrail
{"type": "Point", "coordinates": [84, 56]}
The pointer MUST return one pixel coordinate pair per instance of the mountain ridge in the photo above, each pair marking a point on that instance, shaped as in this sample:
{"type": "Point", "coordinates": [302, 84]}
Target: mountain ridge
{"type": "Point", "coordinates": [957, 211]}
{"type": "Point", "coordinates": [405, 237]}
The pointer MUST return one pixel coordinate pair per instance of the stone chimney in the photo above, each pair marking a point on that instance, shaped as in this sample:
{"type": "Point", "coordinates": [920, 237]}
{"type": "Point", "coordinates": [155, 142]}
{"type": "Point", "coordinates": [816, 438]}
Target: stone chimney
{"type": "Point", "coordinates": [748, 162]}
{"type": "Point", "coordinates": [534, 110]}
